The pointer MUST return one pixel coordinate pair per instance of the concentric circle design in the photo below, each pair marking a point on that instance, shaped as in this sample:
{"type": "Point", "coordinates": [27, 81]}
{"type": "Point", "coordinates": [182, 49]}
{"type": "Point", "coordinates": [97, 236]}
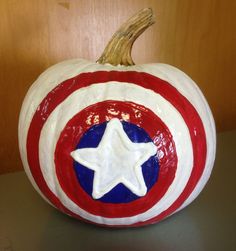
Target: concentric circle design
{"type": "Point", "coordinates": [99, 112]}
{"type": "Point", "coordinates": [77, 104]}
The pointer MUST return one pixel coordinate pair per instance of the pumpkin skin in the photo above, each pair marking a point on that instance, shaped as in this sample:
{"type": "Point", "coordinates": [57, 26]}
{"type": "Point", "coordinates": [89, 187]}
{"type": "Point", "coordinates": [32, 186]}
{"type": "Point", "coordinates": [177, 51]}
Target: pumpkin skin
{"type": "Point", "coordinates": [178, 121]}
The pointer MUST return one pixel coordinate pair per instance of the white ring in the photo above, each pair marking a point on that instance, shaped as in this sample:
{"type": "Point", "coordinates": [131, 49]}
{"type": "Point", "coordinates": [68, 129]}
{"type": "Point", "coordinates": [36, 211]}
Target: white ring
{"type": "Point", "coordinates": [77, 101]}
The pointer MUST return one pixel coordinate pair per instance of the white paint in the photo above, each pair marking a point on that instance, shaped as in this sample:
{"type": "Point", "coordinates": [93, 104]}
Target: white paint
{"type": "Point", "coordinates": [116, 91]}
{"type": "Point", "coordinates": [67, 69]}
{"type": "Point", "coordinates": [188, 88]}
{"type": "Point", "coordinates": [116, 160]}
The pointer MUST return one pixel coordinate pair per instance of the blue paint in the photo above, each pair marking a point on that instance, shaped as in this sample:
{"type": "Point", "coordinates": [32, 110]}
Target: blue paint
{"type": "Point", "coordinates": [120, 193]}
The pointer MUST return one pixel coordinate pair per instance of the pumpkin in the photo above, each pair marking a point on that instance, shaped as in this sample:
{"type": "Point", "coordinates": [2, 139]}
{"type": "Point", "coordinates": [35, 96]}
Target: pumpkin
{"type": "Point", "coordinates": [114, 143]}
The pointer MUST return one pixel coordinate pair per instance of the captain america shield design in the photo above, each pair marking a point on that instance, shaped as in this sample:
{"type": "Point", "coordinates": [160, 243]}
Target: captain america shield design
{"type": "Point", "coordinates": [129, 155]}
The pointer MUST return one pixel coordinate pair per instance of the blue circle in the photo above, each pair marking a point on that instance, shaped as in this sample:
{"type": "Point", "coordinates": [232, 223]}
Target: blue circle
{"type": "Point", "coordinates": [120, 193]}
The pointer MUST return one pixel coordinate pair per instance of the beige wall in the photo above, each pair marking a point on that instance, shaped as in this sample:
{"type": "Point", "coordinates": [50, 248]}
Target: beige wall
{"type": "Point", "coordinates": [197, 36]}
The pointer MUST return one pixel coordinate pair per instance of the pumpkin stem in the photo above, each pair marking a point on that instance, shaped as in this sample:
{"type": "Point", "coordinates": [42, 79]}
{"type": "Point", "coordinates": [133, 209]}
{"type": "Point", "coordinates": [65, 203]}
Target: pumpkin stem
{"type": "Point", "coordinates": [118, 50]}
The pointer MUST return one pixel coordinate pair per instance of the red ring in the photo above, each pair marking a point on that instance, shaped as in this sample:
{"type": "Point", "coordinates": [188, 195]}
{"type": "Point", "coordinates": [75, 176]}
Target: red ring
{"type": "Point", "coordinates": [99, 113]}
{"type": "Point", "coordinates": [167, 91]}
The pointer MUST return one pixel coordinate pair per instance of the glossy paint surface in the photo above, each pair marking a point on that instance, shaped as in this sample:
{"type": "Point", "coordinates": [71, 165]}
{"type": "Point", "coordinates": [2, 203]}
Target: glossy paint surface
{"type": "Point", "coordinates": [68, 181]}
{"type": "Point", "coordinates": [120, 193]}
{"type": "Point", "coordinates": [71, 135]}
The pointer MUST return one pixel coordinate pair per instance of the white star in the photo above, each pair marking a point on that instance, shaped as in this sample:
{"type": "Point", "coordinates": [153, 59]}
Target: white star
{"type": "Point", "coordinates": [116, 160]}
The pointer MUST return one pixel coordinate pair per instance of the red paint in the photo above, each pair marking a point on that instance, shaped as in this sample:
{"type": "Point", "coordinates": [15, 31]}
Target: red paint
{"type": "Point", "coordinates": [98, 113]}
{"type": "Point", "coordinates": [184, 107]}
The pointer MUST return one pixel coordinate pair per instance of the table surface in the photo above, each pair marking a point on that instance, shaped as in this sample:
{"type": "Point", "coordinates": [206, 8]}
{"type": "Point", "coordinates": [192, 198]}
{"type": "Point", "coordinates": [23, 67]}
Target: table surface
{"type": "Point", "coordinates": [29, 223]}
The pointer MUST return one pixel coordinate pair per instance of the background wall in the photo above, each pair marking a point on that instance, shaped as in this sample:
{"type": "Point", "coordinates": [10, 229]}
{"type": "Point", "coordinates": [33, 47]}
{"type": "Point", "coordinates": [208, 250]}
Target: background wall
{"type": "Point", "coordinates": [197, 36]}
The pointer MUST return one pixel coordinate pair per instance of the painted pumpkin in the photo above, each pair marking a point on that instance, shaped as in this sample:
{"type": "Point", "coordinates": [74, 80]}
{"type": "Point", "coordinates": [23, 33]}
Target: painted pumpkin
{"type": "Point", "coordinates": [113, 143]}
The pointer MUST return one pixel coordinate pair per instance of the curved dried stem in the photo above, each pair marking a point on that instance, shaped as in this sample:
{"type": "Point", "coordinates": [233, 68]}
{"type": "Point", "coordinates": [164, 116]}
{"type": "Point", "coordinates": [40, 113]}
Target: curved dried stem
{"type": "Point", "coordinates": [118, 50]}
